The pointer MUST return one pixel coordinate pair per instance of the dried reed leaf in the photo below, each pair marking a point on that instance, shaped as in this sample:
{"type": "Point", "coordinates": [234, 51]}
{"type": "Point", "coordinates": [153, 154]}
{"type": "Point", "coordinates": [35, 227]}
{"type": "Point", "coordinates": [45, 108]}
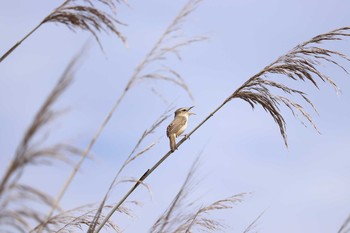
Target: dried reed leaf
{"type": "Point", "coordinates": [135, 180]}
{"type": "Point", "coordinates": [142, 152]}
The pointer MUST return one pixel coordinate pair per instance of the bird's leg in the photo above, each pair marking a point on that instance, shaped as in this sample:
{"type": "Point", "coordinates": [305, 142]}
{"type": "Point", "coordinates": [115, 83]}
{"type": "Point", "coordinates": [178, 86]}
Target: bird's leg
{"type": "Point", "coordinates": [174, 149]}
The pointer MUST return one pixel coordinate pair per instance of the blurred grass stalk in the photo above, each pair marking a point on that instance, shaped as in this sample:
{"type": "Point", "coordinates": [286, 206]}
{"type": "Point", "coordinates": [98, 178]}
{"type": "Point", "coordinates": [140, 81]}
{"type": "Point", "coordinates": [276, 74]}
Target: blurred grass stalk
{"type": "Point", "coordinates": [159, 52]}
{"type": "Point", "coordinates": [16, 199]}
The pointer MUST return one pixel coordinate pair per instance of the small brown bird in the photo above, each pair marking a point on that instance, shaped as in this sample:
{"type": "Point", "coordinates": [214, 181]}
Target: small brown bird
{"type": "Point", "coordinates": [178, 125]}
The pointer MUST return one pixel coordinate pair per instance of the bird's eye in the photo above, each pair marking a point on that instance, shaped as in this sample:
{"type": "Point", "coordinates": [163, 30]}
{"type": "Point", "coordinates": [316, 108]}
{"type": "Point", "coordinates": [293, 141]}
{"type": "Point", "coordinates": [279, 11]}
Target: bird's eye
{"type": "Point", "coordinates": [184, 110]}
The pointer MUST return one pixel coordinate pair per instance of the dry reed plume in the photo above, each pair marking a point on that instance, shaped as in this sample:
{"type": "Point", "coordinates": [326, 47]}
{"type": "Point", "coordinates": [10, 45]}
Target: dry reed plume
{"type": "Point", "coordinates": [182, 215]}
{"type": "Point", "coordinates": [16, 198]}
{"type": "Point", "coordinates": [83, 15]}
{"type": "Point", "coordinates": [301, 63]}
{"type": "Point", "coordinates": [79, 218]}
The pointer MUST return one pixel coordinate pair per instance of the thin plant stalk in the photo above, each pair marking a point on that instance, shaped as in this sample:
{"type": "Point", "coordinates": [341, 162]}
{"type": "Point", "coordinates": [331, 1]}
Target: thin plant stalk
{"type": "Point", "coordinates": [345, 228]}
{"type": "Point", "coordinates": [283, 65]}
{"type": "Point", "coordinates": [254, 224]}
{"type": "Point", "coordinates": [19, 43]}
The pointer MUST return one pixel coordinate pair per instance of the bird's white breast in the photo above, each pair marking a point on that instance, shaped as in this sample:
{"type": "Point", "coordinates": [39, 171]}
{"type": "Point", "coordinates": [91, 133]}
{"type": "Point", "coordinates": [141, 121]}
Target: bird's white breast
{"type": "Point", "coordinates": [182, 129]}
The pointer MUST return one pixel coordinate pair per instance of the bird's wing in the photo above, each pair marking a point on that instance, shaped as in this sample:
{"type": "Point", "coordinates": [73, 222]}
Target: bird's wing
{"type": "Point", "coordinates": [176, 125]}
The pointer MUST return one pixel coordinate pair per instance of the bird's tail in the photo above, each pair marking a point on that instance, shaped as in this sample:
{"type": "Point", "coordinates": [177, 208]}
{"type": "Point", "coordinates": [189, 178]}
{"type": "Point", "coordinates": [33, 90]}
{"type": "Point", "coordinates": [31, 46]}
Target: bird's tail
{"type": "Point", "coordinates": [172, 139]}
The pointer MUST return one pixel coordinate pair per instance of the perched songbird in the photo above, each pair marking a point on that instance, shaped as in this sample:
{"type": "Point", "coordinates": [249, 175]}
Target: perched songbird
{"type": "Point", "coordinates": [178, 125]}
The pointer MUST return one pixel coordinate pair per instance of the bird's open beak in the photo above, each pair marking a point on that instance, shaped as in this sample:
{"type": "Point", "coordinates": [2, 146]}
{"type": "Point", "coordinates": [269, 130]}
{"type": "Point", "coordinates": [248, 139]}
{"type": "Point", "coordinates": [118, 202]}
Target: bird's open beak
{"type": "Point", "coordinates": [190, 113]}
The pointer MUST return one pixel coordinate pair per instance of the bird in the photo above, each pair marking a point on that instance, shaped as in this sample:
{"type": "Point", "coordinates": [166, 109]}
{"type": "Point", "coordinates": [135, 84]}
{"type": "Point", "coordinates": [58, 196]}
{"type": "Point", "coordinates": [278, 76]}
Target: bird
{"type": "Point", "coordinates": [178, 125]}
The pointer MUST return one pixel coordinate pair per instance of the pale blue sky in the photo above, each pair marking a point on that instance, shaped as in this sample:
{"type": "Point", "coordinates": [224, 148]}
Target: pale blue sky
{"type": "Point", "coordinates": [304, 188]}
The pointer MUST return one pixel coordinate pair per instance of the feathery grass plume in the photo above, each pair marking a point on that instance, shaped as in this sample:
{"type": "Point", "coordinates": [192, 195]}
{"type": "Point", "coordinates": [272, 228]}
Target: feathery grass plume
{"type": "Point", "coordinates": [182, 217]}
{"type": "Point", "coordinates": [201, 221]}
{"type": "Point", "coordinates": [300, 63]}
{"type": "Point", "coordinates": [345, 228]}
{"type": "Point", "coordinates": [304, 59]}
{"type": "Point", "coordinates": [86, 16]}
{"type": "Point", "coordinates": [16, 198]}
{"type": "Point", "coordinates": [170, 42]}
{"type": "Point", "coordinates": [170, 217]}
{"type": "Point", "coordinates": [80, 218]}
{"type": "Point", "coordinates": [150, 57]}
{"type": "Point", "coordinates": [134, 154]}
{"type": "Point", "coordinates": [83, 15]}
